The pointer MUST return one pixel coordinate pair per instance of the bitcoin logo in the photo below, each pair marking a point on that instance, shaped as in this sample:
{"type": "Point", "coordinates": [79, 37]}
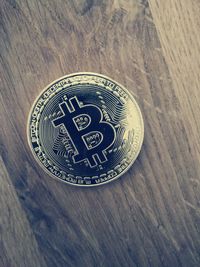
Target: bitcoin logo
{"type": "Point", "coordinates": [85, 129]}
{"type": "Point", "coordinates": [85, 138]}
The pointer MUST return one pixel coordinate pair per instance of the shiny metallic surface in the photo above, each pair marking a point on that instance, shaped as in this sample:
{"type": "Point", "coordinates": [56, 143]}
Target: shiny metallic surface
{"type": "Point", "coordinates": [85, 129]}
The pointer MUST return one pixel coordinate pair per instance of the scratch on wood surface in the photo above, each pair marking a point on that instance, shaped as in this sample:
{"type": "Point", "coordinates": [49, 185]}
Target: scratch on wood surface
{"type": "Point", "coordinates": [196, 209]}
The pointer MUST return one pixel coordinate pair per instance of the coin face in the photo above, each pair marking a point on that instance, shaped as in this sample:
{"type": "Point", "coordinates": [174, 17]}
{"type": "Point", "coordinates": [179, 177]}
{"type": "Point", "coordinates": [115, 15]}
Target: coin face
{"type": "Point", "coordinates": [85, 129]}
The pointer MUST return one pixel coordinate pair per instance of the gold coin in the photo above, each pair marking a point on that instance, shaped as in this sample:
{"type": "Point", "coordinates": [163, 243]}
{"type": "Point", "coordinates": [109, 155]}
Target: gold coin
{"type": "Point", "coordinates": [85, 129]}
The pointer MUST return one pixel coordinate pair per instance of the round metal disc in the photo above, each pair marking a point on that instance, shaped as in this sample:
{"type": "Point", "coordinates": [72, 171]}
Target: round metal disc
{"type": "Point", "coordinates": [85, 129]}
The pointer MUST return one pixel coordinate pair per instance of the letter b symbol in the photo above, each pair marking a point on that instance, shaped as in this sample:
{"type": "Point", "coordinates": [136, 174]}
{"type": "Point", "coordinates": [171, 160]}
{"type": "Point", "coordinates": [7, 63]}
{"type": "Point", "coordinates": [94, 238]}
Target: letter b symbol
{"type": "Point", "coordinates": [90, 135]}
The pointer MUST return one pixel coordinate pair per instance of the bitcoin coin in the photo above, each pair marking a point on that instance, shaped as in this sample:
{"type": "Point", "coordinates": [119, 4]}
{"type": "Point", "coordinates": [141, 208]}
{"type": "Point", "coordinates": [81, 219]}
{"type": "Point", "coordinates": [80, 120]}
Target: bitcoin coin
{"type": "Point", "coordinates": [85, 129]}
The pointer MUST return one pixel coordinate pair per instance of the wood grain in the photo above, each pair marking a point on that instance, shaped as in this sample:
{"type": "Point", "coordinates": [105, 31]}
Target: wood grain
{"type": "Point", "coordinates": [150, 216]}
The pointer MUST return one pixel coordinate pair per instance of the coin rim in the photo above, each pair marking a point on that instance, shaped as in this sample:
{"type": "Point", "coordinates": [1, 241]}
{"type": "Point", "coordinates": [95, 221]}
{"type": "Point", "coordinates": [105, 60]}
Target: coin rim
{"type": "Point", "coordinates": [76, 74]}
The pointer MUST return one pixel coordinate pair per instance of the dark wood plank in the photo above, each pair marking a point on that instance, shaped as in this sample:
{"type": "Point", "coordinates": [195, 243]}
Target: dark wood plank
{"type": "Point", "coordinates": [17, 242]}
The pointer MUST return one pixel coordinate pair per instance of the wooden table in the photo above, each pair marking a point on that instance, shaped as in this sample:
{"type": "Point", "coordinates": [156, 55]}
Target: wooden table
{"type": "Point", "coordinates": [151, 215]}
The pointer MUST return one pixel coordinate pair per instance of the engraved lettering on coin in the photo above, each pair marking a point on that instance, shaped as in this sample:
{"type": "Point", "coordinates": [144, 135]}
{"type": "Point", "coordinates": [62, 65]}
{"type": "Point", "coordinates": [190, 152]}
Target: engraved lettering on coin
{"type": "Point", "coordinates": [85, 129]}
